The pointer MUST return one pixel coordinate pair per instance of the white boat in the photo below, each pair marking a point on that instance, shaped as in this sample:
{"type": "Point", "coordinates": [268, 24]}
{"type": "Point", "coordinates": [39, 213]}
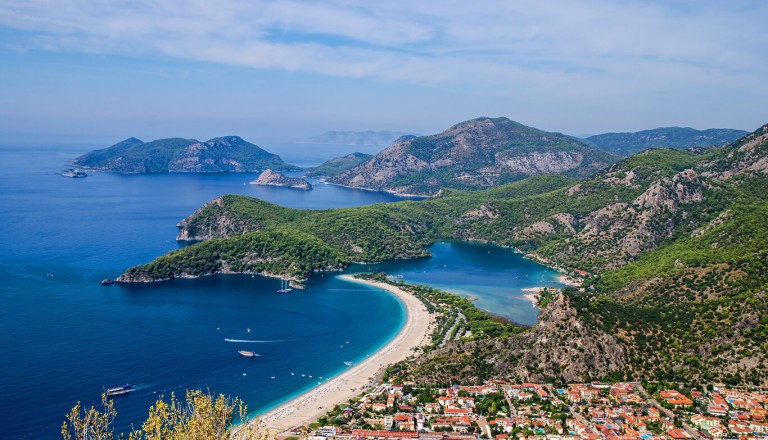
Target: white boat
{"type": "Point", "coordinates": [248, 354]}
{"type": "Point", "coordinates": [348, 363]}
{"type": "Point", "coordinates": [284, 287]}
{"type": "Point", "coordinates": [125, 389]}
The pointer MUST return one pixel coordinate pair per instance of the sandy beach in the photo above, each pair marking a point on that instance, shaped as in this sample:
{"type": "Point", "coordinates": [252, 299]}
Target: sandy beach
{"type": "Point", "coordinates": [315, 403]}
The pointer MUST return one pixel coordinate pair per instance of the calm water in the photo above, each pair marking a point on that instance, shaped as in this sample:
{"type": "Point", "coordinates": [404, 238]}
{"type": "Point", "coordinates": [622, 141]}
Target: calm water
{"type": "Point", "coordinates": [64, 337]}
{"type": "Point", "coordinates": [493, 275]}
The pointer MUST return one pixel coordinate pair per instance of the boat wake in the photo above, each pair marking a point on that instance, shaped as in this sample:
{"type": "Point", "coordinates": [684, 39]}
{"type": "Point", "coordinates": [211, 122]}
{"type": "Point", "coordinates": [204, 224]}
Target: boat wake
{"type": "Point", "coordinates": [250, 341]}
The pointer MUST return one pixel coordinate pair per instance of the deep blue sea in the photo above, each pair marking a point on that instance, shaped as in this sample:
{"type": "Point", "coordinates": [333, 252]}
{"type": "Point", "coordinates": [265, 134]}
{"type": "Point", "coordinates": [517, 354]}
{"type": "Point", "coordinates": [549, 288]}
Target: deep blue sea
{"type": "Point", "coordinates": [65, 338]}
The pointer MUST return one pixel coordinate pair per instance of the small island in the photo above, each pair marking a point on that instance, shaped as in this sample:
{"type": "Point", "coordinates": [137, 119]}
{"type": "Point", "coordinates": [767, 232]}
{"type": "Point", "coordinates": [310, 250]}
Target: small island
{"type": "Point", "coordinates": [76, 174]}
{"type": "Point", "coordinates": [274, 178]}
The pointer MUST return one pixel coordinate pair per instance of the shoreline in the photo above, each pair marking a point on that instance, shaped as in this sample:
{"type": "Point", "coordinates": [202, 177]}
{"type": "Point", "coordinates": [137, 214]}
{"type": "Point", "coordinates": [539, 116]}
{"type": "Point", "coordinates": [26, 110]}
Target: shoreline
{"type": "Point", "coordinates": [316, 402]}
{"type": "Point", "coordinates": [396, 194]}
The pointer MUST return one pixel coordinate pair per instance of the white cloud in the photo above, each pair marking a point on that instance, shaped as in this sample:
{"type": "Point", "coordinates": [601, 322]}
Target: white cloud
{"type": "Point", "coordinates": [525, 50]}
{"type": "Point", "coordinates": [357, 38]}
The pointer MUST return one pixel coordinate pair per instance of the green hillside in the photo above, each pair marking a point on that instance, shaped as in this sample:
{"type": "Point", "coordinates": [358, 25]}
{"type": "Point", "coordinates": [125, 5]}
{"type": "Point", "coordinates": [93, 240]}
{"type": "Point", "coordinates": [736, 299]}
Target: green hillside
{"type": "Point", "coordinates": [674, 241]}
{"type": "Point", "coordinates": [338, 165]}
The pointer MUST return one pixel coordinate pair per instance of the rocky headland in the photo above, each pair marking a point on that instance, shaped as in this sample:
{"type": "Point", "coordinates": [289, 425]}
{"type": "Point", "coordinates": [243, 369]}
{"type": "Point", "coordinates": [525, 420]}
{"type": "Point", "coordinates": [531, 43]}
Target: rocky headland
{"type": "Point", "coordinates": [274, 178]}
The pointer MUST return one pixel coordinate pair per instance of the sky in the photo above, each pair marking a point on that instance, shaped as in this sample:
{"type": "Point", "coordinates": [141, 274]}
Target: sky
{"type": "Point", "coordinates": [107, 70]}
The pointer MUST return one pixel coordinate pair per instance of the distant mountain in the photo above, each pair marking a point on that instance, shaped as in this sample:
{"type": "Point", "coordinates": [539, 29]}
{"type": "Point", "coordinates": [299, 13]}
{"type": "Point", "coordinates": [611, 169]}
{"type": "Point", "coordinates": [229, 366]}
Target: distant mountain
{"type": "Point", "coordinates": [627, 144]}
{"type": "Point", "coordinates": [475, 154]}
{"type": "Point", "coordinates": [338, 165]}
{"type": "Point", "coordinates": [368, 138]}
{"type": "Point", "coordinates": [230, 153]}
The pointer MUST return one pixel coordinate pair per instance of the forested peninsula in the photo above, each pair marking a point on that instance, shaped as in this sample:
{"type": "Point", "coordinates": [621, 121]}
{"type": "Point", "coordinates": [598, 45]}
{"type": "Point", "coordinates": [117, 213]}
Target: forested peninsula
{"type": "Point", "coordinates": [675, 243]}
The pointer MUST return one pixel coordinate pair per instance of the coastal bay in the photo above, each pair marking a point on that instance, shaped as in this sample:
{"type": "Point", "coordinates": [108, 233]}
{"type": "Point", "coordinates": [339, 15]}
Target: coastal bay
{"type": "Point", "coordinates": [67, 338]}
{"type": "Point", "coordinates": [414, 333]}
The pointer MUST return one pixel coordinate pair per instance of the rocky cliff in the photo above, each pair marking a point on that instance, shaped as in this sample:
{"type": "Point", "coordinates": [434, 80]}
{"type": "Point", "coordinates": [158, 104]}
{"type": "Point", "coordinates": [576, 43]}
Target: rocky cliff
{"type": "Point", "coordinates": [274, 178]}
{"type": "Point", "coordinates": [560, 346]}
{"type": "Point", "coordinates": [475, 154]}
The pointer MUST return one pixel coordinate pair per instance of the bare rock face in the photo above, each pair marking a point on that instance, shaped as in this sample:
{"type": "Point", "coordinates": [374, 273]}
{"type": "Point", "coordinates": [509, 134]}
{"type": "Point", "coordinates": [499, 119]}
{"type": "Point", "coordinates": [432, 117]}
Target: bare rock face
{"type": "Point", "coordinates": [535, 163]}
{"type": "Point", "coordinates": [219, 223]}
{"type": "Point", "coordinates": [561, 345]}
{"type": "Point", "coordinates": [274, 178]}
{"type": "Point", "coordinates": [562, 342]}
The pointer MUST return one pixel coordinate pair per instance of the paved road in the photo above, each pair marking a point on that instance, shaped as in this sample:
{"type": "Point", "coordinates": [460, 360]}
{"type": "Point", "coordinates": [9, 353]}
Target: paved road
{"type": "Point", "coordinates": [482, 422]}
{"type": "Point", "coordinates": [512, 408]}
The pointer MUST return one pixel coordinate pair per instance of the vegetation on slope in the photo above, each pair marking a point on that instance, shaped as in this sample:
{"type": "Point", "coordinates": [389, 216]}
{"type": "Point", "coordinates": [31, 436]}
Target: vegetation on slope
{"type": "Point", "coordinates": [626, 144]}
{"type": "Point", "coordinates": [290, 253]}
{"type": "Point", "coordinates": [338, 165]}
{"type": "Point", "coordinates": [675, 242]}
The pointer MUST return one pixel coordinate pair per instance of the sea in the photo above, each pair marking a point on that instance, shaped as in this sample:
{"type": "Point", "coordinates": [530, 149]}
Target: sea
{"type": "Point", "coordinates": [65, 338]}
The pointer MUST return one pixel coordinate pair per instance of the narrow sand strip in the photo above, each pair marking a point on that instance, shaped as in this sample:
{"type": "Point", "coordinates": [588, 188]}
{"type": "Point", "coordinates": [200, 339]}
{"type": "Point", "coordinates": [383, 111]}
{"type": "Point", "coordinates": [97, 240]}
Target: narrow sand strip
{"type": "Point", "coordinates": [310, 406]}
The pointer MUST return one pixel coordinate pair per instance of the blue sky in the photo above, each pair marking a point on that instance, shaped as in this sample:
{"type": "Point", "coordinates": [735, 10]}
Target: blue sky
{"type": "Point", "coordinates": [106, 70]}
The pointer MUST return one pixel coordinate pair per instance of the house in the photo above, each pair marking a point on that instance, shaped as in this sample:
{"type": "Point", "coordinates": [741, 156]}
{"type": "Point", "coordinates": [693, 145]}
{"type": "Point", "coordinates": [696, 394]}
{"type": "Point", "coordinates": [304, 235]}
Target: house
{"type": "Point", "coordinates": [446, 401]}
{"type": "Point", "coordinates": [718, 431]}
{"type": "Point", "coordinates": [421, 422]}
{"type": "Point", "coordinates": [503, 423]}
{"type": "Point", "coordinates": [327, 431]}
{"type": "Point", "coordinates": [457, 411]}
{"type": "Point", "coordinates": [467, 402]}
{"type": "Point", "coordinates": [758, 413]}
{"type": "Point", "coordinates": [378, 407]}
{"type": "Point", "coordinates": [759, 427]}
{"type": "Point", "coordinates": [381, 434]}
{"type": "Point", "coordinates": [705, 422]}
{"type": "Point", "coordinates": [678, 434]}
{"type": "Point", "coordinates": [718, 410]}
{"type": "Point", "coordinates": [675, 398]}
{"type": "Point", "coordinates": [396, 389]}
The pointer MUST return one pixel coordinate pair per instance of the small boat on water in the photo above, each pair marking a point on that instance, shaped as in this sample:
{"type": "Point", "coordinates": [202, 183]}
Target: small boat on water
{"type": "Point", "coordinates": [125, 389]}
{"type": "Point", "coordinates": [248, 354]}
{"type": "Point", "coordinates": [285, 287]}
{"type": "Point", "coordinates": [74, 173]}
{"type": "Point", "coordinates": [348, 363]}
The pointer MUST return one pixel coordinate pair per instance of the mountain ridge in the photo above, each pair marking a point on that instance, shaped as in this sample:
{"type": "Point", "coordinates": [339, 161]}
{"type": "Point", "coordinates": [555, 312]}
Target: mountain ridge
{"type": "Point", "coordinates": [474, 154]}
{"type": "Point", "coordinates": [626, 144]}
